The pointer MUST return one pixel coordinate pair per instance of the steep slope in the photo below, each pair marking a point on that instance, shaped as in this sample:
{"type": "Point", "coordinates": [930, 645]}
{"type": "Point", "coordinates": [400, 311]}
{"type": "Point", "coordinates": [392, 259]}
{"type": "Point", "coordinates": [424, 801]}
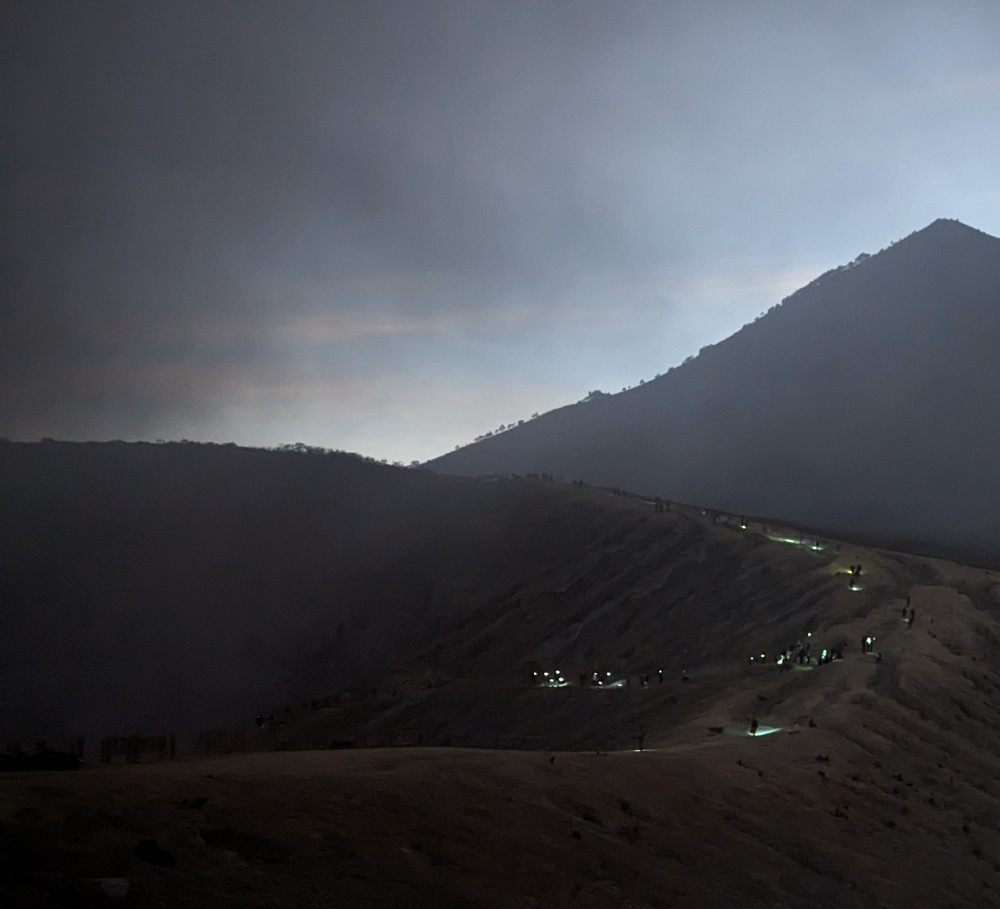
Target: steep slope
{"type": "Point", "coordinates": [863, 403]}
{"type": "Point", "coordinates": [696, 596]}
{"type": "Point", "coordinates": [150, 587]}
{"type": "Point", "coordinates": [872, 780]}
{"type": "Point", "coordinates": [875, 785]}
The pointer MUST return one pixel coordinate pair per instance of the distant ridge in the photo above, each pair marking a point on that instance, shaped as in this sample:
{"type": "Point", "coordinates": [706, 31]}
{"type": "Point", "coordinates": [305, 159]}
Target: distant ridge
{"type": "Point", "coordinates": [865, 402]}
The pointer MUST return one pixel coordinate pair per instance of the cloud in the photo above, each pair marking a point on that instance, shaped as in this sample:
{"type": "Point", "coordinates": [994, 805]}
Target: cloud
{"type": "Point", "coordinates": [227, 195]}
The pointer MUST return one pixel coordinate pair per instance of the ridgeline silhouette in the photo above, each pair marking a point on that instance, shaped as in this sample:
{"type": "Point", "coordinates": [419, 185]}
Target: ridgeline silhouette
{"type": "Point", "coordinates": [862, 404]}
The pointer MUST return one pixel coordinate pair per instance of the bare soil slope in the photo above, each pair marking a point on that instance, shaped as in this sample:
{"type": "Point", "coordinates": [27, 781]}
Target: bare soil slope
{"type": "Point", "coordinates": [872, 780]}
{"type": "Point", "coordinates": [690, 601]}
{"type": "Point", "coordinates": [891, 799]}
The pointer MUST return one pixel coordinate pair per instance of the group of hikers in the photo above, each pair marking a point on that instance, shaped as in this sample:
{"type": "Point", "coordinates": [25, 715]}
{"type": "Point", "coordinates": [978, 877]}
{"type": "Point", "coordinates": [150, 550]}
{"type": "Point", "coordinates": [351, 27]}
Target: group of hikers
{"type": "Point", "coordinates": [598, 679]}
{"type": "Point", "coordinates": [800, 653]}
{"type": "Point", "coordinates": [605, 679]}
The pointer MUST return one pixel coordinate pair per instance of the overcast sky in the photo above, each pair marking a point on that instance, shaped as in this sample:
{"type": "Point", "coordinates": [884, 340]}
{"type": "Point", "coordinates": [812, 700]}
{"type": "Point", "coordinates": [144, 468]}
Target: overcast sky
{"type": "Point", "coordinates": [388, 227]}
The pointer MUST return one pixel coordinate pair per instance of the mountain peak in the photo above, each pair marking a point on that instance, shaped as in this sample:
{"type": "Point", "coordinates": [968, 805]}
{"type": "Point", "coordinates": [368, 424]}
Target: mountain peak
{"type": "Point", "coordinates": [876, 378]}
{"type": "Point", "coordinates": [948, 229]}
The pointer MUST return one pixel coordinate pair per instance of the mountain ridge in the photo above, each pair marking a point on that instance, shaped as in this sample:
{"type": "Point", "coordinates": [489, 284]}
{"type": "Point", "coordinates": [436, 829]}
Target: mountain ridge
{"type": "Point", "coordinates": [870, 377]}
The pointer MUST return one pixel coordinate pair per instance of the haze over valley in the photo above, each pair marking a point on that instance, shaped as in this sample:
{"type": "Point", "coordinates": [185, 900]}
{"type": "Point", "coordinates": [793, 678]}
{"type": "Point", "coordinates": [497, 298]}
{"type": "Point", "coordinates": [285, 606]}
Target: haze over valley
{"type": "Point", "coordinates": [499, 454]}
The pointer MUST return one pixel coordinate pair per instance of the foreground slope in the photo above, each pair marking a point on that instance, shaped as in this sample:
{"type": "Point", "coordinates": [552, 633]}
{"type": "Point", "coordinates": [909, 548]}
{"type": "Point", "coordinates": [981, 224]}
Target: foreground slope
{"type": "Point", "coordinates": [877, 788]}
{"type": "Point", "coordinates": [861, 403]}
{"type": "Point", "coordinates": [872, 780]}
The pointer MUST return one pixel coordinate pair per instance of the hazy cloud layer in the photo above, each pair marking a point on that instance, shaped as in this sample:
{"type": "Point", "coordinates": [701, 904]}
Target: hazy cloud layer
{"type": "Point", "coordinates": [209, 205]}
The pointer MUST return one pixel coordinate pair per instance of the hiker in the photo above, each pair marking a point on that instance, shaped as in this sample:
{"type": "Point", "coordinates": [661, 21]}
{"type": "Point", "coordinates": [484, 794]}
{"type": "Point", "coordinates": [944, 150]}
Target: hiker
{"type": "Point", "coordinates": [913, 614]}
{"type": "Point", "coordinates": [661, 676]}
{"type": "Point", "coordinates": [904, 610]}
{"type": "Point", "coordinates": [753, 726]}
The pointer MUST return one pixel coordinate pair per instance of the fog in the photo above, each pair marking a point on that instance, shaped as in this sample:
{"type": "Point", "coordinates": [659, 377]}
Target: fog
{"type": "Point", "coordinates": [388, 227]}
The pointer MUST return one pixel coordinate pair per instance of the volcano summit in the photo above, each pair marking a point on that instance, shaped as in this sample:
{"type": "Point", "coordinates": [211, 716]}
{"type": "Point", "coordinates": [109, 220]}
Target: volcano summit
{"type": "Point", "coordinates": [863, 403]}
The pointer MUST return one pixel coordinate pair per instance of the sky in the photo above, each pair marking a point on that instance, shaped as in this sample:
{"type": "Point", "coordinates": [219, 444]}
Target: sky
{"type": "Point", "coordinates": [389, 227]}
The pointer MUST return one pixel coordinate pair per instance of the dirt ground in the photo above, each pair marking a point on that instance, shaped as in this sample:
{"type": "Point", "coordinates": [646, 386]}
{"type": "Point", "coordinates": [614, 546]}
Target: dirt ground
{"type": "Point", "coordinates": [876, 785]}
{"type": "Point", "coordinates": [877, 804]}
